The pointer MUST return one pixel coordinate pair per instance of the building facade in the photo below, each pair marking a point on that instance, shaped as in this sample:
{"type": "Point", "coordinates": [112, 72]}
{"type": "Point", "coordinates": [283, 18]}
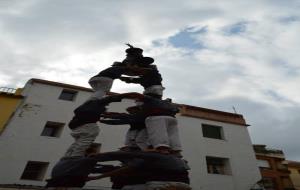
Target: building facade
{"type": "Point", "coordinates": [294, 168]}
{"type": "Point", "coordinates": [216, 144]}
{"type": "Point", "coordinates": [9, 100]}
{"type": "Point", "coordinates": [273, 168]}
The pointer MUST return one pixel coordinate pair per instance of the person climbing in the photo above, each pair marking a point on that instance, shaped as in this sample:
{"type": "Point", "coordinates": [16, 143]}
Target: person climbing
{"type": "Point", "coordinates": [84, 127]}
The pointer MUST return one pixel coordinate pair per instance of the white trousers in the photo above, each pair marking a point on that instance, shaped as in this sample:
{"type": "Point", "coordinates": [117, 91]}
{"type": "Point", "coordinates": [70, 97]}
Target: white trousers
{"type": "Point", "coordinates": [137, 138]}
{"type": "Point", "coordinates": [101, 85]}
{"type": "Point", "coordinates": [163, 131]}
{"type": "Point", "coordinates": [84, 136]}
{"type": "Point", "coordinates": [154, 89]}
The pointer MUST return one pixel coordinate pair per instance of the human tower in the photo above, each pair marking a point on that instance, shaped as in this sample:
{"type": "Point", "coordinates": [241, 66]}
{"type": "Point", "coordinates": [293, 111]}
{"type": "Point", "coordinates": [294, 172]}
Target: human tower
{"type": "Point", "coordinates": [151, 156]}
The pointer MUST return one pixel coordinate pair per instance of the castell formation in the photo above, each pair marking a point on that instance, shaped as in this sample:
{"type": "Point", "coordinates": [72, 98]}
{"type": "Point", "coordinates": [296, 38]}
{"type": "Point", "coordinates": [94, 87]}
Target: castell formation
{"type": "Point", "coordinates": [151, 156]}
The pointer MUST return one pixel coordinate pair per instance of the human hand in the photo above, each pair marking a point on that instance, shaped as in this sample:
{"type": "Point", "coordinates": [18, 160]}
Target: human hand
{"type": "Point", "coordinates": [133, 95]}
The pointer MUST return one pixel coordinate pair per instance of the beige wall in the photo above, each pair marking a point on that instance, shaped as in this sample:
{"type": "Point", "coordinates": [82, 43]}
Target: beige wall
{"type": "Point", "coordinates": [8, 104]}
{"type": "Point", "coordinates": [295, 176]}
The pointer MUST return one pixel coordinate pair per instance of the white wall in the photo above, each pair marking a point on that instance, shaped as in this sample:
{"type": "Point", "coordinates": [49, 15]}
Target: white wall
{"type": "Point", "coordinates": [236, 147]}
{"type": "Point", "coordinates": [21, 142]}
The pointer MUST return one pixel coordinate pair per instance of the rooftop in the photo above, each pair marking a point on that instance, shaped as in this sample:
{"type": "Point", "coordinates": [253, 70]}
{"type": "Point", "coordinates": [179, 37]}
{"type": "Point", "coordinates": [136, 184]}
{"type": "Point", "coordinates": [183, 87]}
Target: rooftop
{"type": "Point", "coordinates": [293, 163]}
{"type": "Point", "coordinates": [10, 92]}
{"type": "Point", "coordinates": [262, 150]}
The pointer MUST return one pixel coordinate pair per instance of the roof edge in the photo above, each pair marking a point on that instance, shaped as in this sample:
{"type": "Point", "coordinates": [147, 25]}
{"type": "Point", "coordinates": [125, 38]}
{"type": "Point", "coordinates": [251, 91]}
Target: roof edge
{"type": "Point", "coordinates": [211, 114]}
{"type": "Point", "coordinates": [185, 110]}
{"type": "Point", "coordinates": [64, 85]}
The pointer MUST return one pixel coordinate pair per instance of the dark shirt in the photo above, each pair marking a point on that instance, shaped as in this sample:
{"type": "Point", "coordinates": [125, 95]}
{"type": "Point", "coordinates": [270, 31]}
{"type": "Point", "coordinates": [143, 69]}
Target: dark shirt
{"type": "Point", "coordinates": [157, 107]}
{"type": "Point", "coordinates": [147, 166]}
{"type": "Point", "coordinates": [150, 78]}
{"type": "Point", "coordinates": [150, 107]}
{"type": "Point", "coordinates": [74, 172]}
{"type": "Point", "coordinates": [71, 172]}
{"type": "Point", "coordinates": [91, 110]}
{"type": "Point", "coordinates": [136, 121]}
{"type": "Point", "coordinates": [146, 160]}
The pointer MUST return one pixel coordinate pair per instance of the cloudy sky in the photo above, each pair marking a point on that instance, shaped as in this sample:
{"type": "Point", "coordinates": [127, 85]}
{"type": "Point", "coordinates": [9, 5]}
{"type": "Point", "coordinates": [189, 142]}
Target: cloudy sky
{"type": "Point", "coordinates": [213, 54]}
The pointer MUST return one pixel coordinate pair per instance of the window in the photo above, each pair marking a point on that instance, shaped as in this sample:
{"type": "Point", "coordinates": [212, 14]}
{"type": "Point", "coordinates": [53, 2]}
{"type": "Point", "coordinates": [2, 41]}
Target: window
{"type": "Point", "coordinates": [211, 131]}
{"type": "Point", "coordinates": [68, 95]}
{"type": "Point", "coordinates": [263, 164]}
{"type": "Point", "coordinates": [269, 183]}
{"type": "Point", "coordinates": [217, 165]}
{"type": "Point", "coordinates": [35, 170]}
{"type": "Point", "coordinates": [52, 129]}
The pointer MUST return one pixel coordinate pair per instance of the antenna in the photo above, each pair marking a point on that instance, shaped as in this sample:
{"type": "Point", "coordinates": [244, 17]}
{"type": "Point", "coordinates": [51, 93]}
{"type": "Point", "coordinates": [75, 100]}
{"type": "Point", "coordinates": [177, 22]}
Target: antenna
{"type": "Point", "coordinates": [234, 109]}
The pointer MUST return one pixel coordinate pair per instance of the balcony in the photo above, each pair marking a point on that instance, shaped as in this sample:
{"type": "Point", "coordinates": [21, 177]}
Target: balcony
{"type": "Point", "coordinates": [262, 150]}
{"type": "Point", "coordinates": [7, 90]}
{"type": "Point", "coordinates": [283, 168]}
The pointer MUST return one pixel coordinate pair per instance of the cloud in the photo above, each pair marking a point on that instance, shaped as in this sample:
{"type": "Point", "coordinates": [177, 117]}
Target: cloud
{"type": "Point", "coordinates": [218, 55]}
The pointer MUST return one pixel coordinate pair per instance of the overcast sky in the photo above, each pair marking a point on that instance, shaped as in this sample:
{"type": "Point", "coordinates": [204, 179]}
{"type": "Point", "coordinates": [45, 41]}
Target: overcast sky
{"type": "Point", "coordinates": [213, 54]}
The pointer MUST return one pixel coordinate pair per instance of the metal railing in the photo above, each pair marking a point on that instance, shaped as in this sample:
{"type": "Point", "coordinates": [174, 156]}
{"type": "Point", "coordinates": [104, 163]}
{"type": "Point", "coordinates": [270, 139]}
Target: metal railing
{"type": "Point", "coordinates": [8, 90]}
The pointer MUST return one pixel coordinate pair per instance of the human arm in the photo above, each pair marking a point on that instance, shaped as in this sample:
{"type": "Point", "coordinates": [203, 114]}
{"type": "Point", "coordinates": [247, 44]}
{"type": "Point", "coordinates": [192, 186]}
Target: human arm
{"type": "Point", "coordinates": [120, 119]}
{"type": "Point", "coordinates": [100, 168]}
{"type": "Point", "coordinates": [131, 80]}
{"type": "Point", "coordinates": [111, 98]}
{"type": "Point", "coordinates": [112, 72]}
{"type": "Point", "coordinates": [136, 70]}
{"type": "Point", "coordinates": [134, 95]}
{"type": "Point", "coordinates": [114, 115]}
{"type": "Point", "coordinates": [117, 172]}
{"type": "Point", "coordinates": [114, 122]}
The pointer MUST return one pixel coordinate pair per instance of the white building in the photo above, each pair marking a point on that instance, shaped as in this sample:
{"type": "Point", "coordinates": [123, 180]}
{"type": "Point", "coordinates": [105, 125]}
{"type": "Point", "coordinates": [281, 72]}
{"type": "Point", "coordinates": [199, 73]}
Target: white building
{"type": "Point", "coordinates": [216, 144]}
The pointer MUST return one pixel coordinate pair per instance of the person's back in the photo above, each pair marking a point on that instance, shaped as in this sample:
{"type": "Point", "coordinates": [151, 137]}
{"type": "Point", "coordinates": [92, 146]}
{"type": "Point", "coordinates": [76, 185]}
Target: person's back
{"type": "Point", "coordinates": [89, 112]}
{"type": "Point", "coordinates": [84, 124]}
{"type": "Point", "coordinates": [148, 169]}
{"type": "Point", "coordinates": [71, 172]}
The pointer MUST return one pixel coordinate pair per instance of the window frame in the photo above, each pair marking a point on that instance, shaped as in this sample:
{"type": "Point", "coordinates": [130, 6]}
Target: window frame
{"type": "Point", "coordinates": [35, 175]}
{"type": "Point", "coordinates": [57, 129]}
{"type": "Point", "coordinates": [220, 131]}
{"type": "Point", "coordinates": [265, 181]}
{"type": "Point", "coordinates": [262, 167]}
{"type": "Point", "coordinates": [226, 167]}
{"type": "Point", "coordinates": [63, 95]}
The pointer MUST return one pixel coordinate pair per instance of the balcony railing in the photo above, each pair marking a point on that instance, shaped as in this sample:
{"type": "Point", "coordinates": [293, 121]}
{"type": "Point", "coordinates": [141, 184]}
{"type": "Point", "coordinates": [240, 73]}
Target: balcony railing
{"type": "Point", "coordinates": [8, 90]}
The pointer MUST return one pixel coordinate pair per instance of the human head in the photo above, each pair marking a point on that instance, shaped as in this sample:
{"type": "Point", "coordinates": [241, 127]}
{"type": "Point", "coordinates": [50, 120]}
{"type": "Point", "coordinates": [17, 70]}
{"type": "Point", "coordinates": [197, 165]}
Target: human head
{"type": "Point", "coordinates": [134, 56]}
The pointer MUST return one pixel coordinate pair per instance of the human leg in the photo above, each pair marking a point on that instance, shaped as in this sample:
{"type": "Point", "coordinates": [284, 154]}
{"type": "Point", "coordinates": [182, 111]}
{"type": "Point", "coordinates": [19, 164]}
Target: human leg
{"type": "Point", "coordinates": [173, 134]}
{"type": "Point", "coordinates": [141, 139]}
{"type": "Point", "coordinates": [157, 131]}
{"type": "Point", "coordinates": [130, 138]}
{"type": "Point", "coordinates": [84, 136]}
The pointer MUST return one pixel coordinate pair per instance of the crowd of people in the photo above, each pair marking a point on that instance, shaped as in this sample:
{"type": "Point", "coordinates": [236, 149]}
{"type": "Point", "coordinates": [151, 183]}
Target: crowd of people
{"type": "Point", "coordinates": [151, 157]}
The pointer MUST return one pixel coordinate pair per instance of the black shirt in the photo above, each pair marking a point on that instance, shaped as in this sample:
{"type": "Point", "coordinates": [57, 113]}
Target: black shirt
{"type": "Point", "coordinates": [91, 110]}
